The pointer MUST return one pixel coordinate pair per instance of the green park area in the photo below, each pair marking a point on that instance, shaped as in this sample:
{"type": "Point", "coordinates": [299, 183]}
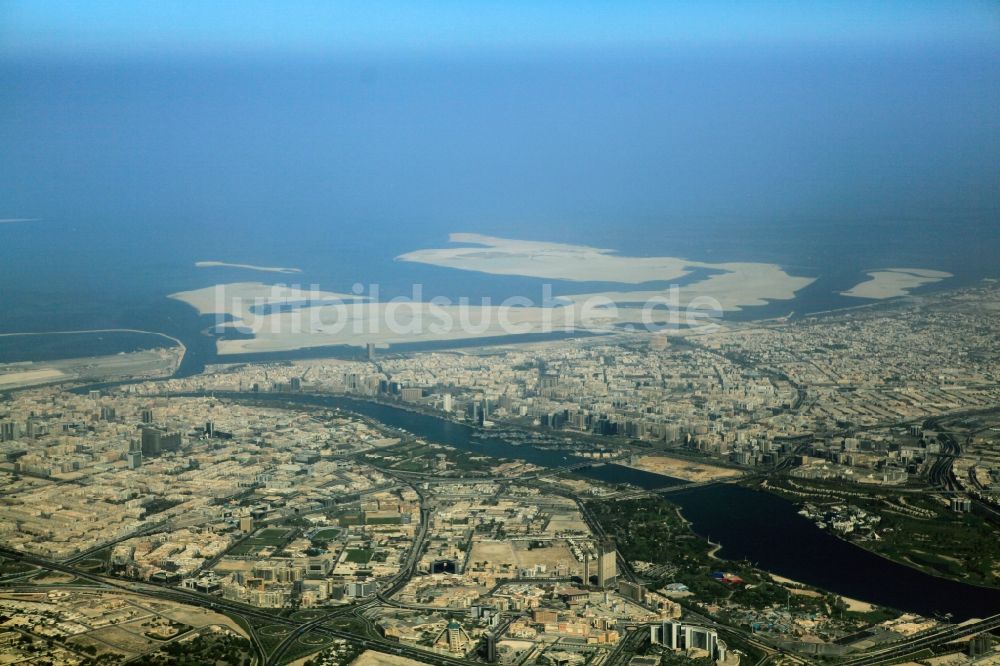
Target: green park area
{"type": "Point", "coordinates": [652, 530]}
{"type": "Point", "coordinates": [419, 456]}
{"type": "Point", "coordinates": [358, 555]}
{"type": "Point", "coordinates": [268, 537]}
{"type": "Point", "coordinates": [918, 529]}
{"type": "Point", "coordinates": [326, 534]}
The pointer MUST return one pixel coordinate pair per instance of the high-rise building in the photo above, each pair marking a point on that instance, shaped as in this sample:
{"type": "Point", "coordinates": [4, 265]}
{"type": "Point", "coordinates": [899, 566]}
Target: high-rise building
{"type": "Point", "coordinates": [151, 441]}
{"type": "Point", "coordinates": [147, 416]}
{"type": "Point", "coordinates": [156, 441]}
{"type": "Point", "coordinates": [412, 394]}
{"type": "Point", "coordinates": [679, 636]}
{"type": "Point", "coordinates": [360, 589]}
{"type": "Point", "coordinates": [35, 428]}
{"type": "Point", "coordinates": [370, 349]}
{"type": "Point", "coordinates": [607, 563]}
{"type": "Point", "coordinates": [453, 637]}
{"type": "Point", "coordinates": [8, 431]}
{"type": "Point", "coordinates": [632, 591]}
{"type": "Point", "coordinates": [490, 645]}
{"type": "Point", "coordinates": [170, 441]}
{"type": "Point", "coordinates": [134, 454]}
{"type": "Point", "coordinates": [980, 645]}
{"type": "Point", "coordinates": [134, 459]}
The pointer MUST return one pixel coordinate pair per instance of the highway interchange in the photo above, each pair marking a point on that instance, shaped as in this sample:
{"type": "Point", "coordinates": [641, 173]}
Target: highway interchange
{"type": "Point", "coordinates": [322, 622]}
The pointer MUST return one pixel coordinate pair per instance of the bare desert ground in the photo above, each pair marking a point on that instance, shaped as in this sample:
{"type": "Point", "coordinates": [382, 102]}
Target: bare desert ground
{"type": "Point", "coordinates": [684, 469]}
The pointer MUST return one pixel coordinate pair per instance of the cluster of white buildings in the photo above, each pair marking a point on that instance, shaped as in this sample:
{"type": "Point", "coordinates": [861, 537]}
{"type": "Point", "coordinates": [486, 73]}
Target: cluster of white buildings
{"type": "Point", "coordinates": [70, 485]}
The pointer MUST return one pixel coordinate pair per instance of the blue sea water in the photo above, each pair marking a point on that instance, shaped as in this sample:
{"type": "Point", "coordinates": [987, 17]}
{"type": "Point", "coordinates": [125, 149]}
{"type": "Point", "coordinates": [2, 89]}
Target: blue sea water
{"type": "Point", "coordinates": [56, 346]}
{"type": "Point", "coordinates": [827, 163]}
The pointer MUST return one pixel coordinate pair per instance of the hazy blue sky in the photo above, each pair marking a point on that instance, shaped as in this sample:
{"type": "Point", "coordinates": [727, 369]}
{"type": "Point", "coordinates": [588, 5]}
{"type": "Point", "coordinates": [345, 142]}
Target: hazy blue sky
{"type": "Point", "coordinates": [297, 27]}
{"type": "Point", "coordinates": [834, 134]}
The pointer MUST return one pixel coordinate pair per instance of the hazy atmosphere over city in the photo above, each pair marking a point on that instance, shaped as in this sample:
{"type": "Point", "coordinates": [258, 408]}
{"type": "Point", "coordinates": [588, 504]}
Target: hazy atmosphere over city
{"type": "Point", "coordinates": [570, 333]}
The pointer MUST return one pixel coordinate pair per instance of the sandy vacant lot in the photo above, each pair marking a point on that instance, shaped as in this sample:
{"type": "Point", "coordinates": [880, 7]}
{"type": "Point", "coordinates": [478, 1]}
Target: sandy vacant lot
{"type": "Point", "coordinates": [567, 522]}
{"type": "Point", "coordinates": [30, 377]}
{"type": "Point", "coordinates": [372, 658]}
{"type": "Point", "coordinates": [684, 469]}
{"type": "Point", "coordinates": [517, 554]}
{"type": "Point", "coordinates": [551, 557]}
{"type": "Point", "coordinates": [497, 552]}
{"type": "Point", "coordinates": [230, 564]}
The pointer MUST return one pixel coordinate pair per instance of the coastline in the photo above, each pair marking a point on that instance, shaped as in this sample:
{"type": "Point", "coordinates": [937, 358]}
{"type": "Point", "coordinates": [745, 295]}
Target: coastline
{"type": "Point", "coordinates": [176, 342]}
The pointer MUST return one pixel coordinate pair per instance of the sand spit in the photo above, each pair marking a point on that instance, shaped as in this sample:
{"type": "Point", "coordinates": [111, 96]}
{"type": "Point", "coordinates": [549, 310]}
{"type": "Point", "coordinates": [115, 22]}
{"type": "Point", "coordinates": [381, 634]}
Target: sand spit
{"type": "Point", "coordinates": [249, 267]}
{"type": "Point", "coordinates": [238, 298]}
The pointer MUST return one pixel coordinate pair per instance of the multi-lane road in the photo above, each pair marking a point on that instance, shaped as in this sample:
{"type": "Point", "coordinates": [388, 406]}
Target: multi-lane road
{"type": "Point", "coordinates": [406, 572]}
{"type": "Point", "coordinates": [897, 651]}
{"type": "Point", "coordinates": [940, 475]}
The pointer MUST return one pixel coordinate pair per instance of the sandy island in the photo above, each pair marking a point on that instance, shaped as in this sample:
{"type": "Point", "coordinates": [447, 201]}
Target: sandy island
{"type": "Point", "coordinates": [317, 318]}
{"type": "Point", "coordinates": [893, 282]}
{"type": "Point", "coordinates": [249, 267]}
{"type": "Point", "coordinates": [553, 261]}
{"type": "Point", "coordinates": [321, 318]}
{"type": "Point", "coordinates": [737, 285]}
